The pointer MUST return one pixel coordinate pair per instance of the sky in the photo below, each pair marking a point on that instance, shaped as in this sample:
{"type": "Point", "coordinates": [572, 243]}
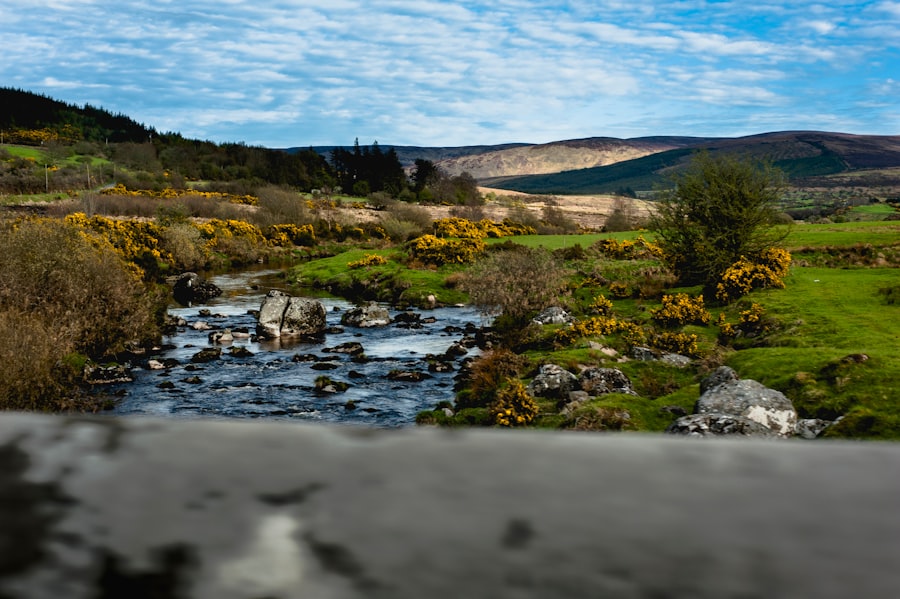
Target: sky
{"type": "Point", "coordinates": [287, 73]}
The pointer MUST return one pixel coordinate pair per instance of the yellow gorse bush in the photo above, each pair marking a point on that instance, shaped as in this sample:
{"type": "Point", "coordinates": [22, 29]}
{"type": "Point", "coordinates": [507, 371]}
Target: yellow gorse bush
{"type": "Point", "coordinates": [599, 326]}
{"type": "Point", "coordinates": [678, 343]}
{"type": "Point", "coordinates": [171, 193]}
{"type": "Point", "coordinates": [513, 406]}
{"type": "Point", "coordinates": [640, 248]}
{"type": "Point", "coordinates": [464, 228]}
{"type": "Point", "coordinates": [767, 270]}
{"type": "Point", "coordinates": [601, 306]}
{"type": "Point", "coordinates": [680, 309]}
{"type": "Point", "coordinates": [133, 240]}
{"type": "Point", "coordinates": [290, 234]}
{"type": "Point", "coordinates": [433, 250]}
{"type": "Point", "coordinates": [368, 260]}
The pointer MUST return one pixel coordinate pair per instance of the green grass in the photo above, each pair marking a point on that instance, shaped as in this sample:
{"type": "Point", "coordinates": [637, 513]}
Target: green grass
{"type": "Point", "coordinates": [843, 234]}
{"type": "Point", "coordinates": [390, 282]}
{"type": "Point", "coordinates": [38, 154]}
{"type": "Point", "coordinates": [830, 317]}
{"type": "Point", "coordinates": [556, 242]}
{"type": "Point", "coordinates": [875, 209]}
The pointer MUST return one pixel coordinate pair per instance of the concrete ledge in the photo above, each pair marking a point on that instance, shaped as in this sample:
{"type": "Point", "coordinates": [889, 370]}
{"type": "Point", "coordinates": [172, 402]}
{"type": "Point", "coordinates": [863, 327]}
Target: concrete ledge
{"type": "Point", "coordinates": [217, 509]}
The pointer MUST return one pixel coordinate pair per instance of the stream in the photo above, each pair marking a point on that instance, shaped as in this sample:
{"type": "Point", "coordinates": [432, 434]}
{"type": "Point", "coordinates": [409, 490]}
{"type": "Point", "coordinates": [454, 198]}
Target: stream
{"type": "Point", "coordinates": [277, 378]}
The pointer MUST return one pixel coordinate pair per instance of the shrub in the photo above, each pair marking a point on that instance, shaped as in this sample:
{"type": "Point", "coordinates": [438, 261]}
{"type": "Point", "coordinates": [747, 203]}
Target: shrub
{"type": "Point", "coordinates": [186, 246]}
{"type": "Point", "coordinates": [680, 309]}
{"type": "Point", "coordinates": [678, 343]}
{"type": "Point", "coordinates": [368, 260]}
{"type": "Point", "coordinates": [601, 418]}
{"type": "Point", "coordinates": [516, 284]}
{"type": "Point", "coordinates": [766, 270]}
{"type": "Point", "coordinates": [64, 291]}
{"type": "Point", "coordinates": [486, 374]}
{"type": "Point", "coordinates": [601, 306]}
{"type": "Point", "coordinates": [513, 406]}
{"type": "Point", "coordinates": [432, 250]}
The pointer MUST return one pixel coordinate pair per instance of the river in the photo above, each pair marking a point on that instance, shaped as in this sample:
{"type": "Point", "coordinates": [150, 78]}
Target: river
{"type": "Point", "coordinates": [277, 380]}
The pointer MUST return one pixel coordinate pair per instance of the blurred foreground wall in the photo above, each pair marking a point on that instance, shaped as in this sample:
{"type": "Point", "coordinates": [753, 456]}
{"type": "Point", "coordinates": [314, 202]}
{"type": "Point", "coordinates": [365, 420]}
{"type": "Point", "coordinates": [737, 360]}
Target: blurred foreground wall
{"type": "Point", "coordinates": [103, 507]}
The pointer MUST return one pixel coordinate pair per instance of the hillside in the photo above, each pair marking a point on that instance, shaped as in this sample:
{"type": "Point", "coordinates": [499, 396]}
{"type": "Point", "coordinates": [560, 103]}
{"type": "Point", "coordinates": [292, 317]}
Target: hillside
{"type": "Point", "coordinates": [561, 156]}
{"type": "Point", "coordinates": [23, 110]}
{"type": "Point", "coordinates": [801, 154]}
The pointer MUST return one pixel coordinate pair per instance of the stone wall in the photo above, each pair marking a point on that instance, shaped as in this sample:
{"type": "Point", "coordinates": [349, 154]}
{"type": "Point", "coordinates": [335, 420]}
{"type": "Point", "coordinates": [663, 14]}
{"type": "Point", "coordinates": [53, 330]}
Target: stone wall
{"type": "Point", "coordinates": [103, 507]}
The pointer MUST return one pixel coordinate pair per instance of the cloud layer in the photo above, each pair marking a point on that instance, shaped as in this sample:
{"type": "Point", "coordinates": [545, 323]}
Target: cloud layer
{"type": "Point", "coordinates": [428, 72]}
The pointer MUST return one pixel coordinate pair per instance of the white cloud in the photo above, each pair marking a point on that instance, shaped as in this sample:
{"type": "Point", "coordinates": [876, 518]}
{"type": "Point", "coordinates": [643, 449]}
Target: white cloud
{"type": "Point", "coordinates": [292, 72]}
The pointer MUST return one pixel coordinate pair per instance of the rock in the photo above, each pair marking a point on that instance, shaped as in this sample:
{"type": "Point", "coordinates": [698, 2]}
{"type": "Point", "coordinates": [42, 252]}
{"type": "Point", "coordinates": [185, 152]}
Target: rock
{"type": "Point", "coordinates": [241, 333]}
{"type": "Point", "coordinates": [752, 400]}
{"type": "Point", "coordinates": [579, 396]}
{"type": "Point", "coordinates": [206, 355]}
{"type": "Point", "coordinates": [456, 350]}
{"type": "Point", "coordinates": [352, 348]}
{"type": "Point", "coordinates": [224, 336]}
{"type": "Point", "coordinates": [193, 380]}
{"type": "Point", "coordinates": [553, 315]}
{"type": "Point", "coordinates": [606, 351]}
{"type": "Point", "coordinates": [367, 315]}
{"type": "Point", "coordinates": [717, 424]}
{"type": "Point", "coordinates": [408, 320]}
{"type": "Point", "coordinates": [324, 366]}
{"type": "Point", "coordinates": [437, 365]}
{"type": "Point", "coordinates": [675, 360]}
{"type": "Point", "coordinates": [598, 381]}
{"type": "Point", "coordinates": [155, 365]}
{"type": "Point", "coordinates": [240, 352]}
{"type": "Point", "coordinates": [811, 428]}
{"type": "Point", "coordinates": [448, 412]}
{"type": "Point", "coordinates": [201, 325]}
{"type": "Point", "coordinates": [305, 358]}
{"type": "Point", "coordinates": [645, 354]}
{"type": "Point", "coordinates": [190, 289]}
{"type": "Point", "coordinates": [721, 375]}
{"type": "Point", "coordinates": [407, 376]}
{"type": "Point", "coordinates": [283, 315]}
{"type": "Point", "coordinates": [552, 381]}
{"type": "Point", "coordinates": [107, 375]}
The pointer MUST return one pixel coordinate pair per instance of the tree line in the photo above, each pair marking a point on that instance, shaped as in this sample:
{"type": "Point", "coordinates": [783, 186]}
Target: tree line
{"type": "Point", "coordinates": [155, 159]}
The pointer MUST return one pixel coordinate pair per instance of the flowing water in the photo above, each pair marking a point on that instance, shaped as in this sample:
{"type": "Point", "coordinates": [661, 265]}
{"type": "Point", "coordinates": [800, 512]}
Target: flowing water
{"type": "Point", "coordinates": [274, 382]}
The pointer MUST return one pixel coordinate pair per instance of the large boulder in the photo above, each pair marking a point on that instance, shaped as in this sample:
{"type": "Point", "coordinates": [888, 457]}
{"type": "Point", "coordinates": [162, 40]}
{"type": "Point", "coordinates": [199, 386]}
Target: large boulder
{"type": "Point", "coordinates": [189, 289]}
{"type": "Point", "coordinates": [719, 425]}
{"type": "Point", "coordinates": [752, 400]}
{"type": "Point", "coordinates": [282, 315]}
{"type": "Point", "coordinates": [367, 315]}
{"type": "Point", "coordinates": [553, 315]}
{"type": "Point", "coordinates": [552, 381]}
{"type": "Point", "coordinates": [598, 381]}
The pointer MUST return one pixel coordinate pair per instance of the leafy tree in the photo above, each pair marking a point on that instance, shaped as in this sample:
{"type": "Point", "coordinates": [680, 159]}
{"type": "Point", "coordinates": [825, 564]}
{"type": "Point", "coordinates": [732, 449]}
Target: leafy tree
{"type": "Point", "coordinates": [721, 208]}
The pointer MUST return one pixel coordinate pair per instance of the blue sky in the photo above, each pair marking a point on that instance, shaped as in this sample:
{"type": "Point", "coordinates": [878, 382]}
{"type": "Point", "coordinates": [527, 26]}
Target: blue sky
{"type": "Point", "coordinates": [426, 72]}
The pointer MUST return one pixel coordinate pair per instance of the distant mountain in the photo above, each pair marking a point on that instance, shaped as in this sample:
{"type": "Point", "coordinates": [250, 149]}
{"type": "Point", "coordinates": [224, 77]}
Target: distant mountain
{"type": "Point", "coordinates": [561, 156]}
{"type": "Point", "coordinates": [800, 154]}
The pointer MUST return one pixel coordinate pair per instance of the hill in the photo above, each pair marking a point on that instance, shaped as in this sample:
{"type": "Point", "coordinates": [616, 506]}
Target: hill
{"type": "Point", "coordinates": [801, 154]}
{"type": "Point", "coordinates": [25, 111]}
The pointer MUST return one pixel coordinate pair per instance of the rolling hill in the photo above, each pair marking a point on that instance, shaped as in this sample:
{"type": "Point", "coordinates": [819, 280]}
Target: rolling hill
{"type": "Point", "coordinates": [800, 154]}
